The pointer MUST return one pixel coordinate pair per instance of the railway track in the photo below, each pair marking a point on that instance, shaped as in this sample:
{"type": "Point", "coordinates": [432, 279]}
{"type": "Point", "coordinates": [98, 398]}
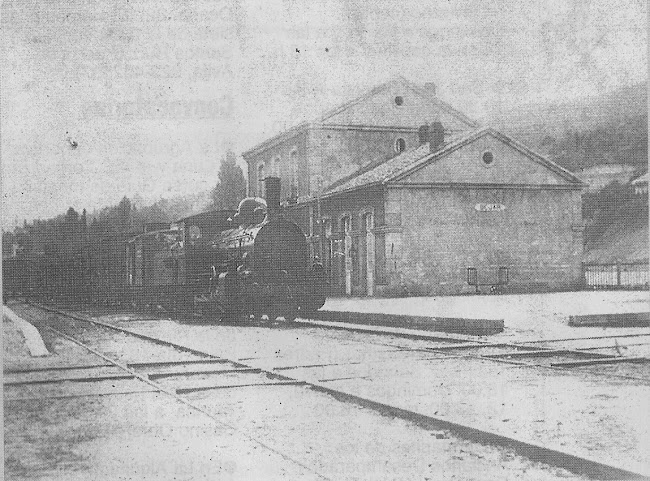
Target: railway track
{"type": "Point", "coordinates": [188, 369]}
{"type": "Point", "coordinates": [527, 353]}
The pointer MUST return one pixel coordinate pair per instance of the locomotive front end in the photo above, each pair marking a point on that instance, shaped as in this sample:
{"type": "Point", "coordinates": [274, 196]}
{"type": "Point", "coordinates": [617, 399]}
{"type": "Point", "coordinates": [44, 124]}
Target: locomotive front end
{"type": "Point", "coordinates": [269, 272]}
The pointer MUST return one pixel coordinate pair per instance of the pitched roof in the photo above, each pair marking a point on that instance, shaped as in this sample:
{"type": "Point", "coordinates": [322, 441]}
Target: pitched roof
{"type": "Point", "coordinates": [432, 100]}
{"type": "Point", "coordinates": [415, 158]}
{"type": "Point", "coordinates": [402, 82]}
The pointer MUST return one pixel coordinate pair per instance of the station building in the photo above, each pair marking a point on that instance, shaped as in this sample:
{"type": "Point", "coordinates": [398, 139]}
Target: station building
{"type": "Point", "coordinates": [420, 200]}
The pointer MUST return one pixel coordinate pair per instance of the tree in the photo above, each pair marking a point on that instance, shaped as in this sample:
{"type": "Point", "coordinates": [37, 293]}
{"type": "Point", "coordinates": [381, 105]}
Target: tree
{"type": "Point", "coordinates": [71, 215]}
{"type": "Point", "coordinates": [124, 215]}
{"type": "Point", "coordinates": [231, 187]}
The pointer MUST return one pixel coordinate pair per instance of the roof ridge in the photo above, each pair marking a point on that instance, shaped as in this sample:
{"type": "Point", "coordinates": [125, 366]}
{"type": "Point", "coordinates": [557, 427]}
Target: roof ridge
{"type": "Point", "coordinates": [441, 103]}
{"type": "Point", "coordinates": [350, 103]}
{"type": "Point", "coordinates": [443, 150]}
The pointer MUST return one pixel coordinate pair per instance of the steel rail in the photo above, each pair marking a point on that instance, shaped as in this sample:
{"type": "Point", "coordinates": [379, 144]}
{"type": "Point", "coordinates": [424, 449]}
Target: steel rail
{"type": "Point", "coordinates": [524, 350]}
{"type": "Point", "coordinates": [180, 398]}
{"type": "Point", "coordinates": [574, 463]}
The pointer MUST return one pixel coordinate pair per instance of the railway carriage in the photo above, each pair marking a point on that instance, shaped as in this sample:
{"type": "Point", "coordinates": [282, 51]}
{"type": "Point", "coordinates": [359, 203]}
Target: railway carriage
{"type": "Point", "coordinates": [222, 264]}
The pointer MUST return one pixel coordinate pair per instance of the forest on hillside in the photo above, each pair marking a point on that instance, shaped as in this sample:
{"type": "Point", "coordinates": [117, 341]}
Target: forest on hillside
{"type": "Point", "coordinates": [62, 235]}
{"type": "Point", "coordinates": [607, 129]}
{"type": "Point", "coordinates": [623, 142]}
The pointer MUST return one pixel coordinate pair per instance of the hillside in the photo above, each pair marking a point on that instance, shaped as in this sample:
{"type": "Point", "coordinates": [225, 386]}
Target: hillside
{"type": "Point", "coordinates": [626, 244]}
{"type": "Point", "coordinates": [617, 225]}
{"type": "Point", "coordinates": [608, 129]}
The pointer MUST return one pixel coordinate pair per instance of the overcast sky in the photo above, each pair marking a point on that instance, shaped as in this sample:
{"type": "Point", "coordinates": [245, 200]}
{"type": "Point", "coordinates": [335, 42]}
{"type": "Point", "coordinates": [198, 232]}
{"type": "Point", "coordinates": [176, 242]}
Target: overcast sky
{"type": "Point", "coordinates": [106, 98]}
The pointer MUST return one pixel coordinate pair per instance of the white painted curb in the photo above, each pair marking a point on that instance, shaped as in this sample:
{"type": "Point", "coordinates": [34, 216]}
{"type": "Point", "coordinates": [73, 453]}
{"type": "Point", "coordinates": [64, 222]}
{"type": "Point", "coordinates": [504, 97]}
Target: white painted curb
{"type": "Point", "coordinates": [33, 338]}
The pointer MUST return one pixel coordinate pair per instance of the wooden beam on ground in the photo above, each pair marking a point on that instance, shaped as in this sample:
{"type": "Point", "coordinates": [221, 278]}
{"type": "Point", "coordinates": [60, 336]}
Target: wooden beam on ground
{"type": "Point", "coordinates": [458, 325]}
{"type": "Point", "coordinates": [627, 319]}
{"type": "Point", "coordinates": [160, 375]}
{"type": "Point", "coordinates": [186, 390]}
{"type": "Point", "coordinates": [96, 377]}
{"type": "Point", "coordinates": [532, 353]}
{"type": "Point", "coordinates": [177, 363]}
{"type": "Point", "coordinates": [594, 362]}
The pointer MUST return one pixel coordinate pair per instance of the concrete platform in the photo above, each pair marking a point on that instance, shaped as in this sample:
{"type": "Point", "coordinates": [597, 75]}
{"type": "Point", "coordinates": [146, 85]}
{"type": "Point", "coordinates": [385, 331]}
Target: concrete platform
{"type": "Point", "coordinates": [479, 327]}
{"type": "Point", "coordinates": [627, 319]}
{"type": "Point", "coordinates": [31, 336]}
{"type": "Point", "coordinates": [527, 317]}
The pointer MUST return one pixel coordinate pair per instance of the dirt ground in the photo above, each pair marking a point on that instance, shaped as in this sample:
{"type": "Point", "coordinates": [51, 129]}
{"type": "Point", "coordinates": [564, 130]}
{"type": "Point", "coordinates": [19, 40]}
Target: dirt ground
{"type": "Point", "coordinates": [303, 433]}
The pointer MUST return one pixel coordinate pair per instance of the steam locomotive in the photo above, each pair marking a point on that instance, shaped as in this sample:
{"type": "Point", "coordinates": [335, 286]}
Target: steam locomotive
{"type": "Point", "coordinates": [265, 267]}
{"type": "Point", "coordinates": [221, 264]}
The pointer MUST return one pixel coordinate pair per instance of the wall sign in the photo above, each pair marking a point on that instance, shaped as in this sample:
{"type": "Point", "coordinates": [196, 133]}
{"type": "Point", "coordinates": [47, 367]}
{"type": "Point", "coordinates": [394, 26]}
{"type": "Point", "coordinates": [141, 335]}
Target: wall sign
{"type": "Point", "coordinates": [490, 207]}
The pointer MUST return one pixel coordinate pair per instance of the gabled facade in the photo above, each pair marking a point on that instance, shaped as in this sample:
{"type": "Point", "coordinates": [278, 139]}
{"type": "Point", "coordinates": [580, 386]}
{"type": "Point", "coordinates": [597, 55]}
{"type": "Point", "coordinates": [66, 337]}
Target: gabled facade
{"type": "Point", "coordinates": [396, 207]}
{"type": "Point", "coordinates": [415, 224]}
{"type": "Point", "coordinates": [376, 126]}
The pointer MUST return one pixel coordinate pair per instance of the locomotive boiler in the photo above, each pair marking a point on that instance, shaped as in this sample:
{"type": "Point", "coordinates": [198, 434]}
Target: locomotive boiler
{"type": "Point", "coordinates": [268, 270]}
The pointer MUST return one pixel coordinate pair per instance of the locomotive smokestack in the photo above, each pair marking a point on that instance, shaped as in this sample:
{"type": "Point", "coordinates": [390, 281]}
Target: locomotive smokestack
{"type": "Point", "coordinates": [272, 193]}
{"type": "Point", "coordinates": [437, 136]}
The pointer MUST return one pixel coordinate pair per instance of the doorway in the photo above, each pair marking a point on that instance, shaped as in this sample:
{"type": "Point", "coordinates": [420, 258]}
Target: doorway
{"type": "Point", "coordinates": [368, 225]}
{"type": "Point", "coordinates": [346, 227]}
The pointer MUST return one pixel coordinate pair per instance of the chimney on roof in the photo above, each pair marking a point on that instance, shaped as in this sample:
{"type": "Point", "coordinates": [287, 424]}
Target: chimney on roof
{"type": "Point", "coordinates": [436, 136]}
{"type": "Point", "coordinates": [423, 134]}
{"type": "Point", "coordinates": [431, 88]}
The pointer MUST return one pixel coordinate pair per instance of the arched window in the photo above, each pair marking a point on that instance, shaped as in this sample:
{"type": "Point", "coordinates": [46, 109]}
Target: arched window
{"type": "Point", "coordinates": [400, 145]}
{"type": "Point", "coordinates": [294, 174]}
{"type": "Point", "coordinates": [276, 166]}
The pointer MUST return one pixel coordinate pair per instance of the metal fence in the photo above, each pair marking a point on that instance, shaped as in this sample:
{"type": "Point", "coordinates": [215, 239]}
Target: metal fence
{"type": "Point", "coordinates": [616, 276]}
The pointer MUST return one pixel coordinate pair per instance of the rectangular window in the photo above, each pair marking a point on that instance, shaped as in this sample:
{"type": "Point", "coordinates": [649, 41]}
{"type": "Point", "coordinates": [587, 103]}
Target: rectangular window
{"type": "Point", "coordinates": [503, 276]}
{"type": "Point", "coordinates": [472, 276]}
{"type": "Point", "coordinates": [294, 174]}
{"type": "Point", "coordinates": [311, 220]}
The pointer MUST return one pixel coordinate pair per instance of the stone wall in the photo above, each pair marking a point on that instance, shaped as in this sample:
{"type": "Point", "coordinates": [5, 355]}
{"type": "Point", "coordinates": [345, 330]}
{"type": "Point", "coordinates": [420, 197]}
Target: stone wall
{"type": "Point", "coordinates": [283, 152]}
{"type": "Point", "coordinates": [336, 152]}
{"type": "Point", "coordinates": [355, 205]}
{"type": "Point", "coordinates": [329, 152]}
{"type": "Point", "coordinates": [440, 233]}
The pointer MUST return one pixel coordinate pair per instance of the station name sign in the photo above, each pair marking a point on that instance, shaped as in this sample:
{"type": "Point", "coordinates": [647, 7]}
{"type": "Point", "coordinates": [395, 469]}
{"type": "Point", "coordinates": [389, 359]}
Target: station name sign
{"type": "Point", "coordinates": [490, 207]}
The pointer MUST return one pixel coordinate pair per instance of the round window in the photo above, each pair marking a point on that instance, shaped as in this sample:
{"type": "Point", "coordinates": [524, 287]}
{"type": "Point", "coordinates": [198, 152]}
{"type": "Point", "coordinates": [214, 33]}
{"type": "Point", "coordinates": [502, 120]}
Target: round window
{"type": "Point", "coordinates": [399, 100]}
{"type": "Point", "coordinates": [400, 145]}
{"type": "Point", "coordinates": [488, 158]}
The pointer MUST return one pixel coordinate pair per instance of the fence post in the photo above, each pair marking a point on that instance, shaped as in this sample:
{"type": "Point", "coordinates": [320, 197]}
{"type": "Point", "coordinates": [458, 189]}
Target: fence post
{"type": "Point", "coordinates": [618, 273]}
